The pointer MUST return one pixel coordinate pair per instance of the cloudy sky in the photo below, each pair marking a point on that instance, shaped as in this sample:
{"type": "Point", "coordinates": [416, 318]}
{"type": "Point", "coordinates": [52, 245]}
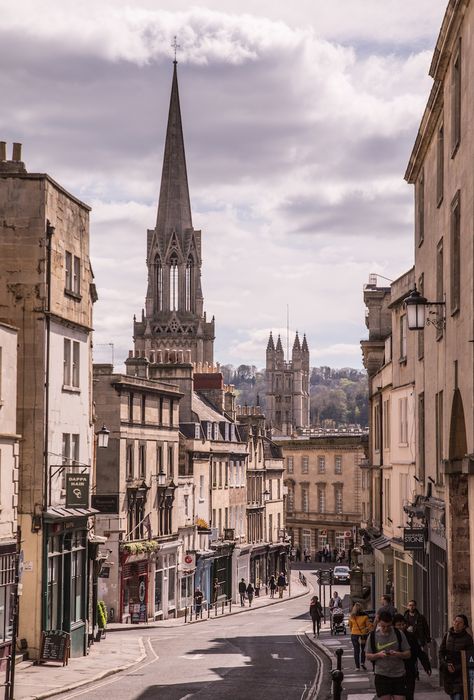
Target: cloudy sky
{"type": "Point", "coordinates": [299, 119]}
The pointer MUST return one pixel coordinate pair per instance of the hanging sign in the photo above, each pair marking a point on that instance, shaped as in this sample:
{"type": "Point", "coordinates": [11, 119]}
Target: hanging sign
{"type": "Point", "coordinates": [77, 490]}
{"type": "Point", "coordinates": [413, 538]}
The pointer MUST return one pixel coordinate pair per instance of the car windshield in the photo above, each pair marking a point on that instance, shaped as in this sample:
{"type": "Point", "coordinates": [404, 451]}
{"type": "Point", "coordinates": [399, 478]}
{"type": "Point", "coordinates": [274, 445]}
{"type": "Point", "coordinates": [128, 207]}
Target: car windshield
{"type": "Point", "coordinates": [341, 569]}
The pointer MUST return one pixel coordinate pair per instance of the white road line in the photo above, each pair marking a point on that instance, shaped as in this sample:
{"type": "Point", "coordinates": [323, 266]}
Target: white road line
{"type": "Point", "coordinates": [313, 691]}
{"type": "Point", "coordinates": [119, 675]}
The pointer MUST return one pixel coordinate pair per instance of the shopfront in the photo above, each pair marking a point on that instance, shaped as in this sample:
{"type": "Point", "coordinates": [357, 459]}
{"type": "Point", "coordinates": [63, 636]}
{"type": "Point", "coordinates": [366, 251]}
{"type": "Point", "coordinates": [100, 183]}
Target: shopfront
{"type": "Point", "coordinates": [7, 581]}
{"type": "Point", "coordinates": [165, 583]}
{"type": "Point", "coordinates": [66, 594]}
{"type": "Point", "coordinates": [222, 573]}
{"type": "Point", "coordinates": [134, 588]}
{"type": "Point", "coordinates": [403, 573]}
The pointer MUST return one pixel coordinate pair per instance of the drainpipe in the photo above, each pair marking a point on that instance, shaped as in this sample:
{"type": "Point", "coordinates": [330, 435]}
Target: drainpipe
{"type": "Point", "coordinates": [47, 485]}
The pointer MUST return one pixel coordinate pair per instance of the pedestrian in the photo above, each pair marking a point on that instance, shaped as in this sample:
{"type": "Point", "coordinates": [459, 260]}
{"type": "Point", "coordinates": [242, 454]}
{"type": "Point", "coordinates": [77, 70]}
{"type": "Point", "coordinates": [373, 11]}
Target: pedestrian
{"type": "Point", "coordinates": [417, 623]}
{"type": "Point", "coordinates": [386, 606]}
{"type": "Point", "coordinates": [272, 586]}
{"type": "Point", "coordinates": [454, 641]}
{"type": "Point", "coordinates": [359, 625]}
{"type": "Point", "coordinates": [305, 555]}
{"type": "Point", "coordinates": [298, 554]}
{"type": "Point", "coordinates": [316, 613]}
{"type": "Point", "coordinates": [250, 592]}
{"type": "Point", "coordinates": [417, 653]}
{"type": "Point", "coordinates": [388, 648]}
{"type": "Point", "coordinates": [335, 601]}
{"type": "Point", "coordinates": [242, 590]}
{"type": "Point", "coordinates": [281, 583]}
{"type": "Point", "coordinates": [198, 597]}
{"type": "Point", "coordinates": [258, 585]}
{"type": "Point", "coordinates": [215, 591]}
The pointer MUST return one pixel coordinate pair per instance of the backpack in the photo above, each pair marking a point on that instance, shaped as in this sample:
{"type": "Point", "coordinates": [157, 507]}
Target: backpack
{"type": "Point", "coordinates": [372, 642]}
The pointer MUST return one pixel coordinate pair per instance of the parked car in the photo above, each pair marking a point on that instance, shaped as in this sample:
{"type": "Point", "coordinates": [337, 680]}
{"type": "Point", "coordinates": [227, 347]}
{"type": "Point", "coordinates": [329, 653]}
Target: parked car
{"type": "Point", "coordinates": [341, 574]}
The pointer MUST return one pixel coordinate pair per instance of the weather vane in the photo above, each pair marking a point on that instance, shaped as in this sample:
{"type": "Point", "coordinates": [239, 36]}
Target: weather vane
{"type": "Point", "coordinates": [175, 46]}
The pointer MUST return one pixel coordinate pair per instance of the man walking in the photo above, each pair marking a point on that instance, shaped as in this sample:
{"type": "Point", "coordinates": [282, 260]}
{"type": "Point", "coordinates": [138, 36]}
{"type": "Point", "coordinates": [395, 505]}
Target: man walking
{"type": "Point", "coordinates": [417, 624]}
{"type": "Point", "coordinates": [411, 669]}
{"type": "Point", "coordinates": [281, 583]}
{"type": "Point", "coordinates": [388, 648]}
{"type": "Point", "coordinates": [386, 606]}
{"type": "Point", "coordinates": [198, 597]}
{"type": "Point", "coordinates": [242, 590]}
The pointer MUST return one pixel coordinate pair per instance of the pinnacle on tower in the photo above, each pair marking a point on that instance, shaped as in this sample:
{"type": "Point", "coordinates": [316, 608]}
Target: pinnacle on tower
{"type": "Point", "coordinates": [296, 344]}
{"type": "Point", "coordinates": [279, 346]}
{"type": "Point", "coordinates": [271, 344]}
{"type": "Point", "coordinates": [174, 209]}
{"type": "Point", "coordinates": [304, 346]}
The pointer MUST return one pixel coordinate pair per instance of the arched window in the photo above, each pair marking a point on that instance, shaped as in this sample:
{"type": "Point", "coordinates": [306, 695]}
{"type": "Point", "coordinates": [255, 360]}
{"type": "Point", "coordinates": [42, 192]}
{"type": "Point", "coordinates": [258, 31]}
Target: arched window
{"type": "Point", "coordinates": [189, 284]}
{"type": "Point", "coordinates": [174, 278]}
{"type": "Point", "coordinates": [159, 284]}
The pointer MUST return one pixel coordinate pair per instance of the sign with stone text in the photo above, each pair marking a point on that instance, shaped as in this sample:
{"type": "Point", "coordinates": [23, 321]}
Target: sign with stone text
{"type": "Point", "coordinates": [77, 490]}
{"type": "Point", "coordinates": [413, 538]}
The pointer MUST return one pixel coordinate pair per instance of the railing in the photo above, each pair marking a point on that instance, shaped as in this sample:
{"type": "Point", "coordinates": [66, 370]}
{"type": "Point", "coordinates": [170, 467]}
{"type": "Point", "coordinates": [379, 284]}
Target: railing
{"type": "Point", "coordinates": [207, 609]}
{"type": "Point", "coordinates": [303, 579]}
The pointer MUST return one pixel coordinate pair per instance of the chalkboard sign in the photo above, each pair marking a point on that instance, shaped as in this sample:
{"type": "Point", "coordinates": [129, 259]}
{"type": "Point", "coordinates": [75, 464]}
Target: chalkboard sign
{"type": "Point", "coordinates": [55, 646]}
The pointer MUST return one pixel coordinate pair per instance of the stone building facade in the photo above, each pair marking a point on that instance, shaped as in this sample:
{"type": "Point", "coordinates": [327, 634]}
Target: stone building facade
{"type": "Point", "coordinates": [324, 503]}
{"type": "Point", "coordinates": [47, 291]}
{"type": "Point", "coordinates": [440, 169]}
{"type": "Point", "coordinates": [287, 387]}
{"type": "Point", "coordinates": [9, 452]}
{"type": "Point", "coordinates": [138, 513]}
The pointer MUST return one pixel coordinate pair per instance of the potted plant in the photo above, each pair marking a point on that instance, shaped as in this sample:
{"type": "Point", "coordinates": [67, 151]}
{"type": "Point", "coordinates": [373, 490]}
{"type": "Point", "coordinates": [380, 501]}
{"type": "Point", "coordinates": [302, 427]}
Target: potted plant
{"type": "Point", "coordinates": [101, 619]}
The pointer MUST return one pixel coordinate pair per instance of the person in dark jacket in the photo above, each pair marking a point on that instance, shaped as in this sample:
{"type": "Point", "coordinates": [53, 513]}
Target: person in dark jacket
{"type": "Point", "coordinates": [316, 613]}
{"type": "Point", "coordinates": [417, 653]}
{"type": "Point", "coordinates": [242, 589]}
{"type": "Point", "coordinates": [250, 592]}
{"type": "Point", "coordinates": [454, 641]}
{"type": "Point", "coordinates": [417, 623]}
{"type": "Point", "coordinates": [272, 586]}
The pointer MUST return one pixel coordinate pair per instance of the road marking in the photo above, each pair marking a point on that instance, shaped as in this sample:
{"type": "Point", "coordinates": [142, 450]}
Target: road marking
{"type": "Point", "coordinates": [118, 676]}
{"type": "Point", "coordinates": [313, 692]}
{"type": "Point", "coordinates": [281, 658]}
{"type": "Point", "coordinates": [192, 657]}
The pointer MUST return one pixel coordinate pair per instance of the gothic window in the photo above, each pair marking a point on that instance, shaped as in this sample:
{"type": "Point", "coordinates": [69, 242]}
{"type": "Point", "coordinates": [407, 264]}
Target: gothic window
{"type": "Point", "coordinates": [159, 284]}
{"type": "Point", "coordinates": [174, 278]}
{"type": "Point", "coordinates": [189, 284]}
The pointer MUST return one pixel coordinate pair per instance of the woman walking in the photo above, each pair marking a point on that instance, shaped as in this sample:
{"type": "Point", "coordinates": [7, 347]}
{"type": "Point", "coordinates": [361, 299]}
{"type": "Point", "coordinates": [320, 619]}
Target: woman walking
{"type": "Point", "coordinates": [454, 641]}
{"type": "Point", "coordinates": [316, 613]}
{"type": "Point", "coordinates": [272, 585]}
{"type": "Point", "coordinates": [360, 627]}
{"type": "Point", "coordinates": [250, 592]}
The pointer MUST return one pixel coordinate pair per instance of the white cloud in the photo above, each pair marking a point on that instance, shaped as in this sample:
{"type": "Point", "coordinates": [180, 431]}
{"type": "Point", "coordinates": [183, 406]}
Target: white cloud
{"type": "Point", "coordinates": [298, 121]}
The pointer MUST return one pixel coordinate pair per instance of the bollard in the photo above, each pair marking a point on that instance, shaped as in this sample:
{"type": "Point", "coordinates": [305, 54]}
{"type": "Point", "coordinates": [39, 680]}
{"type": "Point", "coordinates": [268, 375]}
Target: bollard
{"type": "Point", "coordinates": [208, 611]}
{"type": "Point", "coordinates": [337, 676]}
{"type": "Point", "coordinates": [185, 614]}
{"type": "Point", "coordinates": [230, 605]}
{"type": "Point", "coordinates": [222, 608]}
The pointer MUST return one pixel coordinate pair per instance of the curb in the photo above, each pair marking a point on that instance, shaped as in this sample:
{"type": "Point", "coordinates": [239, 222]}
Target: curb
{"type": "Point", "coordinates": [98, 677]}
{"type": "Point", "coordinates": [159, 624]}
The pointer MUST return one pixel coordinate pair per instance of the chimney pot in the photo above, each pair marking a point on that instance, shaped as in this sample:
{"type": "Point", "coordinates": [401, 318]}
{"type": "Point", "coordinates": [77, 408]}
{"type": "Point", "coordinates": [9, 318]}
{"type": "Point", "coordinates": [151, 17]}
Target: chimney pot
{"type": "Point", "coordinates": [16, 152]}
{"type": "Point", "coordinates": [3, 150]}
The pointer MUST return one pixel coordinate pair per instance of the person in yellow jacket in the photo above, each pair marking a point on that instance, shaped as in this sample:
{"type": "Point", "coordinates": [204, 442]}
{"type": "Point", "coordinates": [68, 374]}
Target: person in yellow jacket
{"type": "Point", "coordinates": [360, 627]}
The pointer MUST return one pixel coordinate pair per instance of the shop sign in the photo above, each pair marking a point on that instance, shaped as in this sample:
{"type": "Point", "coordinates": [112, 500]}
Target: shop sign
{"type": "Point", "coordinates": [106, 503]}
{"type": "Point", "coordinates": [413, 538]}
{"type": "Point", "coordinates": [77, 490]}
{"type": "Point", "coordinates": [189, 562]}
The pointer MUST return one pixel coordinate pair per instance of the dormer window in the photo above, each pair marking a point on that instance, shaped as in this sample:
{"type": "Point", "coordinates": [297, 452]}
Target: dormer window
{"type": "Point", "coordinates": [197, 431]}
{"type": "Point", "coordinates": [216, 431]}
{"type": "Point", "coordinates": [209, 430]}
{"type": "Point", "coordinates": [232, 432]}
{"type": "Point", "coordinates": [226, 431]}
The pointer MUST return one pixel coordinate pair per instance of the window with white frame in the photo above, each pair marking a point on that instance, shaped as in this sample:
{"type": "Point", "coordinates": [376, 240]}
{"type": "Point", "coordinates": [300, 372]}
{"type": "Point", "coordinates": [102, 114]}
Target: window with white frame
{"type": "Point", "coordinates": [338, 499]}
{"type": "Point", "coordinates": [321, 498]}
{"type": "Point", "coordinates": [197, 431]}
{"type": "Point", "coordinates": [403, 420]}
{"type": "Point", "coordinates": [338, 464]}
{"type": "Point", "coordinates": [70, 455]}
{"type": "Point", "coordinates": [209, 430]}
{"type": "Point", "coordinates": [387, 502]}
{"type": "Point", "coordinates": [321, 465]}
{"type": "Point", "coordinates": [305, 499]}
{"type": "Point", "coordinates": [216, 431]}
{"type": "Point", "coordinates": [201, 487]}
{"type": "Point", "coordinates": [304, 465]}
{"type": "Point", "coordinates": [290, 499]}
{"type": "Point", "coordinates": [289, 465]}
{"type": "Point", "coordinates": [71, 365]}
{"type": "Point", "coordinates": [72, 283]}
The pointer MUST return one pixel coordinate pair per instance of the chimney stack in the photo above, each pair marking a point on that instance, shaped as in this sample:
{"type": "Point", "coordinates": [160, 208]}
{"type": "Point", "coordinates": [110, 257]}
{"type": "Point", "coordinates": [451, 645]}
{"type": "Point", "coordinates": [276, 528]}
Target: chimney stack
{"type": "Point", "coordinates": [16, 152]}
{"type": "Point", "coordinates": [3, 150]}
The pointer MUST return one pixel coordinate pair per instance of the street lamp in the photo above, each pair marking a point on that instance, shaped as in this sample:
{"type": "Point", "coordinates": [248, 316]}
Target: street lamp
{"type": "Point", "coordinates": [103, 437]}
{"type": "Point", "coordinates": [416, 304]}
{"type": "Point", "coordinates": [161, 477]}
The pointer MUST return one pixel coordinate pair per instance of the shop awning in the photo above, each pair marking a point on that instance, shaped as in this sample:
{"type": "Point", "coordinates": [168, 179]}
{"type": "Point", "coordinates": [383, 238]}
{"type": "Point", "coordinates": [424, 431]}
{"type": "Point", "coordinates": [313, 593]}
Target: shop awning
{"type": "Point", "coordinates": [59, 513]}
{"type": "Point", "coordinates": [380, 542]}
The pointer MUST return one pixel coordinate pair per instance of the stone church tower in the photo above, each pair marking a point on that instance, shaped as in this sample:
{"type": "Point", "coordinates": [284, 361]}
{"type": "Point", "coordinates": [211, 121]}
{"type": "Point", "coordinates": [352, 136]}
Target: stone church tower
{"type": "Point", "coordinates": [287, 387]}
{"type": "Point", "coordinates": [173, 319]}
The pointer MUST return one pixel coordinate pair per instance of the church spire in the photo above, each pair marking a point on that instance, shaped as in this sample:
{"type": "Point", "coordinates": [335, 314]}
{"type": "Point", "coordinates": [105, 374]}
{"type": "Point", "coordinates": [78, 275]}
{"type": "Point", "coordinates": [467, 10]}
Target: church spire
{"type": "Point", "coordinates": [174, 209]}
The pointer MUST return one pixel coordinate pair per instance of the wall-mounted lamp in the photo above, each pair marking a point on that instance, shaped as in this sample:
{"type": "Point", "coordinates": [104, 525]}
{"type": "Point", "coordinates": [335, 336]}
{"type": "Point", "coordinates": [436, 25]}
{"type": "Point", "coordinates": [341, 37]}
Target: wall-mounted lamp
{"type": "Point", "coordinates": [416, 305]}
{"type": "Point", "coordinates": [266, 495]}
{"type": "Point", "coordinates": [103, 437]}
